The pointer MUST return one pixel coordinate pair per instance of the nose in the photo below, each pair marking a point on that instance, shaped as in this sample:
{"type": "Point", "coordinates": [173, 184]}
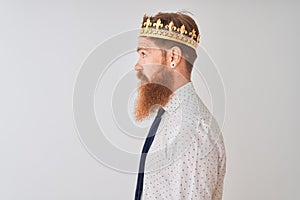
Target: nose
{"type": "Point", "coordinates": [138, 67]}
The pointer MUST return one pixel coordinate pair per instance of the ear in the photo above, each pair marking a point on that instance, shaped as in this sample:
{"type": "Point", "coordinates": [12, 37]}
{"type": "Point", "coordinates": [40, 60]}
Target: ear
{"type": "Point", "coordinates": [175, 56]}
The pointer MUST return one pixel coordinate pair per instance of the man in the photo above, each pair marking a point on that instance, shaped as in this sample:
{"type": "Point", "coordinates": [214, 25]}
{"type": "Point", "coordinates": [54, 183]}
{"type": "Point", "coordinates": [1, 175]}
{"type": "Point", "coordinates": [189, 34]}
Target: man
{"type": "Point", "coordinates": [187, 157]}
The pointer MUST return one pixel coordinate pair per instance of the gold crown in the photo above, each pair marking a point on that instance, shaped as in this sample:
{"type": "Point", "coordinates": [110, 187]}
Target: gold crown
{"type": "Point", "coordinates": [170, 32]}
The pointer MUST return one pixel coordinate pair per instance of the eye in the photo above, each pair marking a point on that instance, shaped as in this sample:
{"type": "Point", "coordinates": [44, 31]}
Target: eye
{"type": "Point", "coordinates": [143, 54]}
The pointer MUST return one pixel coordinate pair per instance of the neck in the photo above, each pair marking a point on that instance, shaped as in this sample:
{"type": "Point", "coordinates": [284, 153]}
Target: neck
{"type": "Point", "coordinates": [180, 78]}
{"type": "Point", "coordinates": [178, 82]}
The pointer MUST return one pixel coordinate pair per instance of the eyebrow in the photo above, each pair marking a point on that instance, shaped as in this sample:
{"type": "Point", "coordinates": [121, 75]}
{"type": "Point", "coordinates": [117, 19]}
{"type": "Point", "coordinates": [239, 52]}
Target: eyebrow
{"type": "Point", "coordinates": [141, 48]}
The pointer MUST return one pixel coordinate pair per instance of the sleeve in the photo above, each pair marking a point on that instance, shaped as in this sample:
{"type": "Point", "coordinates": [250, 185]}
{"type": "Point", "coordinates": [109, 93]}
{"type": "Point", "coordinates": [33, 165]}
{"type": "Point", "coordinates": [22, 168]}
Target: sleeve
{"type": "Point", "coordinates": [218, 193]}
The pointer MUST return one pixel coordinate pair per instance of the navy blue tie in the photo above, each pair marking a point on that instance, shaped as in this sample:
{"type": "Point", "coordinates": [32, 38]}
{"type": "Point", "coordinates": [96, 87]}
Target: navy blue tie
{"type": "Point", "coordinates": [148, 142]}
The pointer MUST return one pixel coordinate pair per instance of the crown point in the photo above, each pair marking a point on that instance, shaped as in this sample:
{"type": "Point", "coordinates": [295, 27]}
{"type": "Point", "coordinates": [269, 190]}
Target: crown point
{"type": "Point", "coordinates": [147, 23]}
{"type": "Point", "coordinates": [182, 30]}
{"type": "Point", "coordinates": [158, 24]}
{"type": "Point", "coordinates": [193, 34]}
{"type": "Point", "coordinates": [198, 38]}
{"type": "Point", "coordinates": [170, 26]}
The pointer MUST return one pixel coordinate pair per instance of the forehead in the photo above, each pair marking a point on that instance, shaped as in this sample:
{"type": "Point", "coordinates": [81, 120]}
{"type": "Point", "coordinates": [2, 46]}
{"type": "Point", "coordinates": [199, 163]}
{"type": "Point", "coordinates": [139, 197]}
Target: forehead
{"type": "Point", "coordinates": [144, 42]}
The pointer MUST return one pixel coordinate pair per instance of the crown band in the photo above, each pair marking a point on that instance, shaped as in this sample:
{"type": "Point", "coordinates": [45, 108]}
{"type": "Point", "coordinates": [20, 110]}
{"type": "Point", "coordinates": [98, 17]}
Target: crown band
{"type": "Point", "coordinates": [169, 35]}
{"type": "Point", "coordinates": [170, 32]}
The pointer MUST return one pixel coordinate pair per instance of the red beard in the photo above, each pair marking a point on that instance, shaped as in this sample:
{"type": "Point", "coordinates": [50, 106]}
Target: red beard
{"type": "Point", "coordinates": [151, 95]}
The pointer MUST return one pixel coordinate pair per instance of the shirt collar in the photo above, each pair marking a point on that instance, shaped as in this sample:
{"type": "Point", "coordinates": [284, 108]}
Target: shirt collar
{"type": "Point", "coordinates": [178, 96]}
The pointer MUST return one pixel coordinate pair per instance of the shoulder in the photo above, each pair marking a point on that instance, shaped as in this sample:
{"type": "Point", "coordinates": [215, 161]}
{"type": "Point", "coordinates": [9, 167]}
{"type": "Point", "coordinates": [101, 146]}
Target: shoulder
{"type": "Point", "coordinates": [205, 128]}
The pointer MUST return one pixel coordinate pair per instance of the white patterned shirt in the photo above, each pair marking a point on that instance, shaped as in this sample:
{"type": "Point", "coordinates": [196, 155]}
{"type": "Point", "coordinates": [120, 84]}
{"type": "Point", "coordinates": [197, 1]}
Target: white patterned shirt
{"type": "Point", "coordinates": [187, 158]}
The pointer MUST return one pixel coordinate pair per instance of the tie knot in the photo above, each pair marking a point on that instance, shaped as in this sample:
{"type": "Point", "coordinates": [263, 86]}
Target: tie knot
{"type": "Point", "coordinates": [160, 112]}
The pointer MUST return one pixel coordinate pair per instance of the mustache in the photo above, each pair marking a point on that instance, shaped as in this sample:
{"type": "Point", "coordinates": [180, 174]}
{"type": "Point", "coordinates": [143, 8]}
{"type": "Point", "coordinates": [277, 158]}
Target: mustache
{"type": "Point", "coordinates": [141, 76]}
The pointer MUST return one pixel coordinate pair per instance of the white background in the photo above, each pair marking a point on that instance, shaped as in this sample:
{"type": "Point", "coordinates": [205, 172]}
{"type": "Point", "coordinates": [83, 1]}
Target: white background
{"type": "Point", "coordinates": [42, 45]}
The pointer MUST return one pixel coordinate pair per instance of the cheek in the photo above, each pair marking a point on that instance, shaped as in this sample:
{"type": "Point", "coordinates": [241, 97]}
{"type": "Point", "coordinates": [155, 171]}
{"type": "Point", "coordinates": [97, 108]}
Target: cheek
{"type": "Point", "coordinates": [151, 65]}
{"type": "Point", "coordinates": [148, 71]}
